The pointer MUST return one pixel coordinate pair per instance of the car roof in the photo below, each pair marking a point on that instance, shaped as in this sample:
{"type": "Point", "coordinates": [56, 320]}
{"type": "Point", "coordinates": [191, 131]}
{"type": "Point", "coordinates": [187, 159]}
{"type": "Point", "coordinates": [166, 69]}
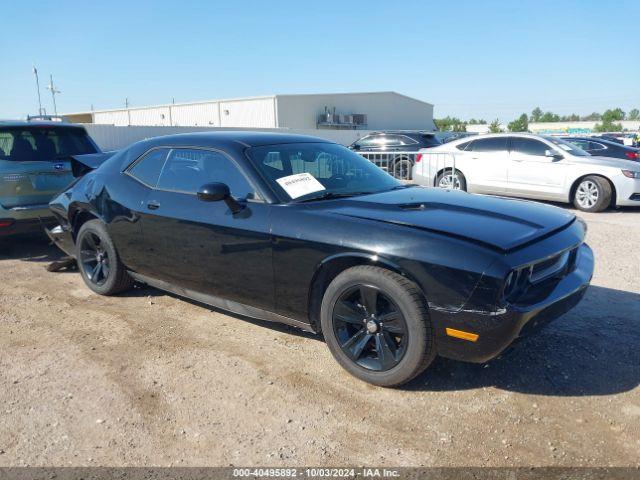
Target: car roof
{"type": "Point", "coordinates": [601, 140]}
{"type": "Point", "coordinates": [402, 132]}
{"type": "Point", "coordinates": [36, 123]}
{"type": "Point", "coordinates": [243, 137]}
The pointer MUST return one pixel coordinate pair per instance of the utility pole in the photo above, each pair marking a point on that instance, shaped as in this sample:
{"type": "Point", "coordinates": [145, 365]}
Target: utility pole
{"type": "Point", "coordinates": [35, 72]}
{"type": "Point", "coordinates": [54, 90]}
{"type": "Point", "coordinates": [126, 105]}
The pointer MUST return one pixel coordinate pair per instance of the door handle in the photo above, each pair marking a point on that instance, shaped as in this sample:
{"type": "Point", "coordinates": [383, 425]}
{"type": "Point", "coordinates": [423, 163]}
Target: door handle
{"type": "Point", "coordinates": [153, 205]}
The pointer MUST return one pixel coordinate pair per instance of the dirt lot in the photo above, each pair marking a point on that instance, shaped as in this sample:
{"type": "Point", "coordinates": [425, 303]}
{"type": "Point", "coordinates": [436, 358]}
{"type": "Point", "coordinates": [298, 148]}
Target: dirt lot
{"type": "Point", "coordinates": [151, 379]}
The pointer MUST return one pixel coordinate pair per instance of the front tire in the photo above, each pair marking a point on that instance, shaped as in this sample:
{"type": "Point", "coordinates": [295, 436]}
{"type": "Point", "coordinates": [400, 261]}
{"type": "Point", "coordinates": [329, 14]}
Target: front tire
{"type": "Point", "coordinates": [451, 180]}
{"type": "Point", "coordinates": [376, 325]}
{"type": "Point", "coordinates": [593, 194]}
{"type": "Point", "coordinates": [99, 262]}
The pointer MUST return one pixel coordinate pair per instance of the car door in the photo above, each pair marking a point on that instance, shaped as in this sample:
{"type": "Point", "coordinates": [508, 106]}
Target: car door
{"type": "Point", "coordinates": [203, 246]}
{"type": "Point", "coordinates": [532, 173]}
{"type": "Point", "coordinates": [484, 164]}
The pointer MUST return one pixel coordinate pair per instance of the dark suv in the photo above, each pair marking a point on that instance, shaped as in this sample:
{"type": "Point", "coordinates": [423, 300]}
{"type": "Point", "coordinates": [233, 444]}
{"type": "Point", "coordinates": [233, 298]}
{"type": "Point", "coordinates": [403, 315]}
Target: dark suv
{"type": "Point", "coordinates": [34, 166]}
{"type": "Point", "coordinates": [379, 148]}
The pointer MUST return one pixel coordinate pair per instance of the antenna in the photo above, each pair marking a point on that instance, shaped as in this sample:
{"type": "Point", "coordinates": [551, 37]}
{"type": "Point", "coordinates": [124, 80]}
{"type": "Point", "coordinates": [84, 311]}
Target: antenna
{"type": "Point", "coordinates": [35, 72]}
{"type": "Point", "coordinates": [54, 91]}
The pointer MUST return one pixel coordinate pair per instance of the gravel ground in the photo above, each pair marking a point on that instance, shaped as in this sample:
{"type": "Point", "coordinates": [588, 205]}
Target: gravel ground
{"type": "Point", "coordinates": [151, 379]}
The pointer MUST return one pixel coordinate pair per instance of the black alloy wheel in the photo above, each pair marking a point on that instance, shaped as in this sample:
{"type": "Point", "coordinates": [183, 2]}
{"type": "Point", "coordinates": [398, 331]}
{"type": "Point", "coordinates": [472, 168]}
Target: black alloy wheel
{"type": "Point", "coordinates": [376, 324]}
{"type": "Point", "coordinates": [370, 328]}
{"type": "Point", "coordinates": [98, 260]}
{"type": "Point", "coordinates": [94, 259]}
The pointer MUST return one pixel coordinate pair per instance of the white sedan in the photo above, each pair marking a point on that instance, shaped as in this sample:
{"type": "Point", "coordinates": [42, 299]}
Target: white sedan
{"type": "Point", "coordinates": [530, 166]}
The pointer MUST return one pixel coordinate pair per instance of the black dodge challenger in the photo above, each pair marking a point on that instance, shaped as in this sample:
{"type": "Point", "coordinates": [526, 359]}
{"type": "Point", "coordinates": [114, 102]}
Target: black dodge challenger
{"type": "Point", "coordinates": [303, 231]}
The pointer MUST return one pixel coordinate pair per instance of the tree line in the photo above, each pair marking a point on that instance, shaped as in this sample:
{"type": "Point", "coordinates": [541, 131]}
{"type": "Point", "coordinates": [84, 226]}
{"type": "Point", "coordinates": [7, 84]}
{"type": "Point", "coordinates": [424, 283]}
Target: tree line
{"type": "Point", "coordinates": [607, 120]}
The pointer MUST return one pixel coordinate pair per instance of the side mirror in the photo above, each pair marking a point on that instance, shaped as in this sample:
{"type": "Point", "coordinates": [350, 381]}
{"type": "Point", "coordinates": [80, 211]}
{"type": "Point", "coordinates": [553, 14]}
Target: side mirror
{"type": "Point", "coordinates": [355, 146]}
{"type": "Point", "coordinates": [555, 156]}
{"type": "Point", "coordinates": [214, 192]}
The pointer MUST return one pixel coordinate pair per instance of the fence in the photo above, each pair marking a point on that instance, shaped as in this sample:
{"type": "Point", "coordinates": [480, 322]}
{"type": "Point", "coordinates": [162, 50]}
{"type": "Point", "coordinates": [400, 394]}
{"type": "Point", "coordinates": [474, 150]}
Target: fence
{"type": "Point", "coordinates": [427, 168]}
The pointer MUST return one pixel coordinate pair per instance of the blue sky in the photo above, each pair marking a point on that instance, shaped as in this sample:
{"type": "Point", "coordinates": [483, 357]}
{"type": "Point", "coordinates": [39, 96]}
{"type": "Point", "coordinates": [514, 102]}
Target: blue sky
{"type": "Point", "coordinates": [470, 58]}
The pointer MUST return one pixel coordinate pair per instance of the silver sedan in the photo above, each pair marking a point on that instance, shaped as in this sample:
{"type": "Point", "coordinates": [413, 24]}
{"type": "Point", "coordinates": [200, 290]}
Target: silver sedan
{"type": "Point", "coordinates": [530, 166]}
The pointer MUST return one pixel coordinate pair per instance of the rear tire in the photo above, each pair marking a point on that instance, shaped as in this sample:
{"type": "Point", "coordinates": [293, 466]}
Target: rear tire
{"type": "Point", "coordinates": [402, 168]}
{"type": "Point", "coordinates": [593, 194]}
{"type": "Point", "coordinates": [99, 262]}
{"type": "Point", "coordinates": [376, 324]}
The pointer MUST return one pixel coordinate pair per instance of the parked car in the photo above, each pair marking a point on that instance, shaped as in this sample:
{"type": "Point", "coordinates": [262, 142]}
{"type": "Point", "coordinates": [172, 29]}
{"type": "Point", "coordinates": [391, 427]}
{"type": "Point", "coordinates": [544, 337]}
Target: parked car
{"type": "Point", "coordinates": [385, 143]}
{"type": "Point", "coordinates": [300, 230]}
{"type": "Point", "coordinates": [604, 148]}
{"type": "Point", "coordinates": [531, 166]}
{"type": "Point", "coordinates": [34, 166]}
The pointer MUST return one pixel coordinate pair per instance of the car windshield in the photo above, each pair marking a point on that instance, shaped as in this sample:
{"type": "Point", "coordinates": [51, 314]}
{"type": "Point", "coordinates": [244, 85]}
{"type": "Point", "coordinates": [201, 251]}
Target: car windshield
{"type": "Point", "coordinates": [568, 147]}
{"type": "Point", "coordinates": [315, 171]}
{"type": "Point", "coordinates": [47, 144]}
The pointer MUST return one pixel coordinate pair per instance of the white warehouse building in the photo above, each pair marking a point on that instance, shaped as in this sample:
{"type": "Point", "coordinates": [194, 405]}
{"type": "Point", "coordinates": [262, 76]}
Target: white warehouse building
{"type": "Point", "coordinates": [337, 111]}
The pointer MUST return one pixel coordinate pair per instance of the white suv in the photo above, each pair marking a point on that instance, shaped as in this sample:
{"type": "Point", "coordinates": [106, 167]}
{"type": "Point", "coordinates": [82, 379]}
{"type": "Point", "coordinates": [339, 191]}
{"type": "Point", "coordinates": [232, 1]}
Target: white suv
{"type": "Point", "coordinates": [530, 166]}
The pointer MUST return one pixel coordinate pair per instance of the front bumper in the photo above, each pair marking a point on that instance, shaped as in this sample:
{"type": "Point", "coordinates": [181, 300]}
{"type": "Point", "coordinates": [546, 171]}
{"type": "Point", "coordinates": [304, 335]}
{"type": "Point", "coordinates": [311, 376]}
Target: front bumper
{"type": "Point", "coordinates": [63, 239]}
{"type": "Point", "coordinates": [627, 191]}
{"type": "Point", "coordinates": [496, 331]}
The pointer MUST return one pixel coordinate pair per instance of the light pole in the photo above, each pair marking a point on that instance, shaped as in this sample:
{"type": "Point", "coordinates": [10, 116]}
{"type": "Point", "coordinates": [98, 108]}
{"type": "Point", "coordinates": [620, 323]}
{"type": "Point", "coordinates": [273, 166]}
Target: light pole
{"type": "Point", "coordinates": [54, 90]}
{"type": "Point", "coordinates": [35, 72]}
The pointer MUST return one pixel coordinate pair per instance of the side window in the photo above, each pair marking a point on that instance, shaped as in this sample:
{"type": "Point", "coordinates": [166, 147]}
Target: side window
{"type": "Point", "coordinates": [583, 144]}
{"type": "Point", "coordinates": [528, 146]}
{"type": "Point", "coordinates": [6, 142]}
{"type": "Point", "coordinates": [463, 146]}
{"type": "Point", "coordinates": [186, 170]}
{"type": "Point", "coordinates": [395, 140]}
{"type": "Point", "coordinates": [368, 141]}
{"type": "Point", "coordinates": [496, 144]}
{"type": "Point", "coordinates": [148, 168]}
{"type": "Point", "coordinates": [595, 146]}
{"type": "Point", "coordinates": [405, 140]}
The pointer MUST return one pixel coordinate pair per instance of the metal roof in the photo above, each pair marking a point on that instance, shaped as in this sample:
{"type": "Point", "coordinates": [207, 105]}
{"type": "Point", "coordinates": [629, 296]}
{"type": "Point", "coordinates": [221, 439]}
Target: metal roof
{"type": "Point", "coordinates": [241, 99]}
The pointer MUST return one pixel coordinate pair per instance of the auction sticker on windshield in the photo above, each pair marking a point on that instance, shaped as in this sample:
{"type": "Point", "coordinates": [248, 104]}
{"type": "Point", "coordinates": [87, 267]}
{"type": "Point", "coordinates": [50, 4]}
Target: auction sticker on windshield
{"type": "Point", "coordinates": [300, 184]}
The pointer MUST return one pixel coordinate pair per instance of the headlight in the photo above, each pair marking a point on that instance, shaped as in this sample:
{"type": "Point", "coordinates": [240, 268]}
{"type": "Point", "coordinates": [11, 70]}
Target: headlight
{"type": "Point", "coordinates": [631, 174]}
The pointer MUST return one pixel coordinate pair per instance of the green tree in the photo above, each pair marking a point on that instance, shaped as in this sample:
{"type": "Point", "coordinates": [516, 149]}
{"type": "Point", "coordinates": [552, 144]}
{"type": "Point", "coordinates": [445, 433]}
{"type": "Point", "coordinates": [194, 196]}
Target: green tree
{"type": "Point", "coordinates": [595, 116]}
{"type": "Point", "coordinates": [521, 124]}
{"type": "Point", "coordinates": [549, 117]}
{"type": "Point", "coordinates": [633, 114]}
{"type": "Point", "coordinates": [536, 113]}
{"type": "Point", "coordinates": [450, 124]}
{"type": "Point", "coordinates": [607, 126]}
{"type": "Point", "coordinates": [613, 115]}
{"type": "Point", "coordinates": [494, 127]}
{"type": "Point", "coordinates": [574, 117]}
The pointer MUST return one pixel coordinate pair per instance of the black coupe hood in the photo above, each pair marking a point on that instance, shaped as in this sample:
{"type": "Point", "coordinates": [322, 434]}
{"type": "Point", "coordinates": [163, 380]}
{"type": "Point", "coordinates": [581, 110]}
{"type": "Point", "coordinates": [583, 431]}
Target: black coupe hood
{"type": "Point", "coordinates": [499, 223]}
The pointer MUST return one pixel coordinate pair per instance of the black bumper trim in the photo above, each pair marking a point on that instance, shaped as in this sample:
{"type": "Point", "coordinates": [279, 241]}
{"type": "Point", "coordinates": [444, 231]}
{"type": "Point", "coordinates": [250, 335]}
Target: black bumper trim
{"type": "Point", "coordinates": [498, 330]}
{"type": "Point", "coordinates": [22, 227]}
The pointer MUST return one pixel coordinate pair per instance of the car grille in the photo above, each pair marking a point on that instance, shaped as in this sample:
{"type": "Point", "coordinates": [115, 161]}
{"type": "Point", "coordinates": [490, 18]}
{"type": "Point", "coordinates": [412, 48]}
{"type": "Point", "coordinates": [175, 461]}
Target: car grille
{"type": "Point", "coordinates": [550, 267]}
{"type": "Point", "coordinates": [523, 279]}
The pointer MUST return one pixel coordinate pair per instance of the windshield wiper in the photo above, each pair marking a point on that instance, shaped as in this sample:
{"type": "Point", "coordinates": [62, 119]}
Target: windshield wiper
{"type": "Point", "coordinates": [333, 195]}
